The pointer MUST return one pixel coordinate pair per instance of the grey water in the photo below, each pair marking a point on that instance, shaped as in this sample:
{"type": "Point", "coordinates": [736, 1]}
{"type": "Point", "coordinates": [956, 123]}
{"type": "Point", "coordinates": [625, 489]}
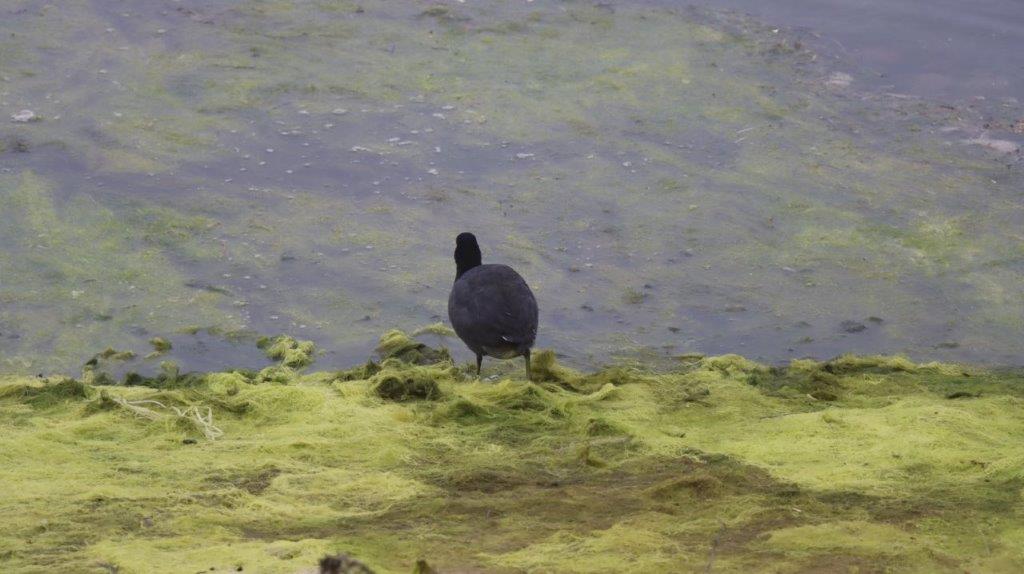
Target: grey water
{"type": "Point", "coordinates": [806, 180]}
{"type": "Point", "coordinates": [944, 49]}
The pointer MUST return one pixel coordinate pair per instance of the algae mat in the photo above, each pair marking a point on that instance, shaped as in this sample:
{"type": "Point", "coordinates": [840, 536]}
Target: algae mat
{"type": "Point", "coordinates": [857, 464]}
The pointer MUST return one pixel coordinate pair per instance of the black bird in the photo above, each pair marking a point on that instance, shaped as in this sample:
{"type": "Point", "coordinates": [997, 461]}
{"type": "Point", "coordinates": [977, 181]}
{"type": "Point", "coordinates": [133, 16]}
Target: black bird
{"type": "Point", "coordinates": [491, 307]}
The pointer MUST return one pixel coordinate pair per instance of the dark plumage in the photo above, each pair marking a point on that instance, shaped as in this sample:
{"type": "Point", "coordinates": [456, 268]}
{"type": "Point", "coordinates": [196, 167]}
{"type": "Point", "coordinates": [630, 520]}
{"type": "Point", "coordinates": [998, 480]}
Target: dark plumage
{"type": "Point", "coordinates": [491, 307]}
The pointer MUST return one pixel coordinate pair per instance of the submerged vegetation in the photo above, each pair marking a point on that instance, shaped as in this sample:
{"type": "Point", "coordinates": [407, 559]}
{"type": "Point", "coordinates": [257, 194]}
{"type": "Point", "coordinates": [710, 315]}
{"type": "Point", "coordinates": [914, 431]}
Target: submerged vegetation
{"type": "Point", "coordinates": [720, 464]}
{"type": "Point", "coordinates": [282, 166]}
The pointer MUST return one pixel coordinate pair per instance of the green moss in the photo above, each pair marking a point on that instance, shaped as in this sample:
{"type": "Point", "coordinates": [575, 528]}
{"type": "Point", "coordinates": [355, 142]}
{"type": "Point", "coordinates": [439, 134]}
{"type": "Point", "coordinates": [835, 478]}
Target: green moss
{"type": "Point", "coordinates": [403, 387]}
{"type": "Point", "coordinates": [160, 346]}
{"type": "Point", "coordinates": [290, 352]}
{"type": "Point", "coordinates": [545, 367]}
{"type": "Point", "coordinates": [46, 392]}
{"type": "Point", "coordinates": [398, 345]}
{"type": "Point", "coordinates": [581, 472]}
{"type": "Point", "coordinates": [634, 296]}
{"type": "Point", "coordinates": [111, 354]}
{"type": "Point", "coordinates": [439, 329]}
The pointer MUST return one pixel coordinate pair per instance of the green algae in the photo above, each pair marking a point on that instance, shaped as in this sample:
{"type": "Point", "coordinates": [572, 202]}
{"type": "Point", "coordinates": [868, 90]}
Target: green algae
{"type": "Point", "coordinates": [397, 345]}
{"type": "Point", "coordinates": [439, 329]}
{"type": "Point", "coordinates": [398, 386]}
{"type": "Point", "coordinates": [69, 268]}
{"type": "Point", "coordinates": [579, 472]}
{"type": "Point", "coordinates": [160, 347]}
{"type": "Point", "coordinates": [290, 352]}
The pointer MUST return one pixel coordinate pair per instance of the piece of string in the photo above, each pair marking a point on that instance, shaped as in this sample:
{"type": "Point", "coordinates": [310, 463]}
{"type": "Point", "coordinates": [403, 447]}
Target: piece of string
{"type": "Point", "coordinates": [192, 413]}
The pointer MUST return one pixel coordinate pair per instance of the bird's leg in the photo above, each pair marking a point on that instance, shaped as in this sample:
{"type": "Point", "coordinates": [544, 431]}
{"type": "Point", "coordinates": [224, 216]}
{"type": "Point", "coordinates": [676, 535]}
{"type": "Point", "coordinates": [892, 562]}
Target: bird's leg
{"type": "Point", "coordinates": [479, 359]}
{"type": "Point", "coordinates": [529, 373]}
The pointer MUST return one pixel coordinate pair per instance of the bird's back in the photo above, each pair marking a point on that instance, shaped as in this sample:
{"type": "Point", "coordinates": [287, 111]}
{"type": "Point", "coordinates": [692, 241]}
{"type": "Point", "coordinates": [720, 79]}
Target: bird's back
{"type": "Point", "coordinates": [493, 311]}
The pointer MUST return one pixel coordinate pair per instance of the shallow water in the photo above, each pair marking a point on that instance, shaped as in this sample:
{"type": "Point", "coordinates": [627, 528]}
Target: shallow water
{"type": "Point", "coordinates": [668, 181]}
{"type": "Point", "coordinates": [947, 50]}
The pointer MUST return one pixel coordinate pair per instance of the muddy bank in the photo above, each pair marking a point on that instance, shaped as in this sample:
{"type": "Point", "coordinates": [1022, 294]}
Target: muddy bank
{"type": "Point", "coordinates": [721, 463]}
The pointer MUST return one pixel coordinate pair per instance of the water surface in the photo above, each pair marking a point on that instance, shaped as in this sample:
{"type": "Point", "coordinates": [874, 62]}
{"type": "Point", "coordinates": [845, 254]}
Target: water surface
{"type": "Point", "coordinates": [944, 49]}
{"type": "Point", "coordinates": [668, 180]}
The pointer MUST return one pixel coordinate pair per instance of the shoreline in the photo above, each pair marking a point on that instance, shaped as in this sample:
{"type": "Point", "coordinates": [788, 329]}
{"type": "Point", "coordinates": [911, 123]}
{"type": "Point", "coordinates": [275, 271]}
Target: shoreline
{"type": "Point", "coordinates": [869, 462]}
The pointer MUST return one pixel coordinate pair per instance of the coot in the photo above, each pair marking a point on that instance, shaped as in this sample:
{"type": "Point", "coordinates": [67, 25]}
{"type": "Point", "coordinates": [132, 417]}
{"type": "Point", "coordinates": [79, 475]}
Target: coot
{"type": "Point", "coordinates": [491, 307]}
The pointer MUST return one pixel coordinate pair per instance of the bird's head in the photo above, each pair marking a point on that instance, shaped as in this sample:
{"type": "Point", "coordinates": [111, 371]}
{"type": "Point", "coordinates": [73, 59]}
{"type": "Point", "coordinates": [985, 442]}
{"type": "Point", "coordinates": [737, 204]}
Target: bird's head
{"type": "Point", "coordinates": [467, 253]}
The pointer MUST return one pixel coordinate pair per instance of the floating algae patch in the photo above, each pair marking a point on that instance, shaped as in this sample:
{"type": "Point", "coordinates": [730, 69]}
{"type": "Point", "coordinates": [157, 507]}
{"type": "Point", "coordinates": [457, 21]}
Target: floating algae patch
{"type": "Point", "coordinates": [439, 329]}
{"type": "Point", "coordinates": [160, 345]}
{"type": "Point", "coordinates": [289, 351]}
{"type": "Point", "coordinates": [234, 471]}
{"type": "Point", "coordinates": [397, 345]}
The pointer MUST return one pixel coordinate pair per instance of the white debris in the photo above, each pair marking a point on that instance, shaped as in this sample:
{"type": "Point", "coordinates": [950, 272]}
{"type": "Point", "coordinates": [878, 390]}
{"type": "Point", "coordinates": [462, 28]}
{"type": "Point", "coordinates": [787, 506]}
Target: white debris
{"type": "Point", "coordinates": [339, 111]}
{"type": "Point", "coordinates": [839, 80]}
{"type": "Point", "coordinates": [24, 116]}
{"type": "Point", "coordinates": [524, 155]}
{"type": "Point", "coordinates": [432, 171]}
{"type": "Point", "coordinates": [1002, 146]}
